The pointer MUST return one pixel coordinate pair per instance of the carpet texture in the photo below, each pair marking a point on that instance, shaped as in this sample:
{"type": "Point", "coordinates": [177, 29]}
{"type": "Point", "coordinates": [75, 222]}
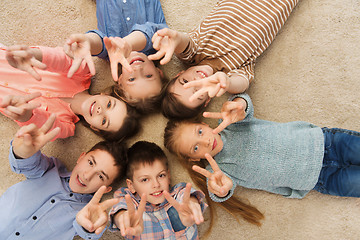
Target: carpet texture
{"type": "Point", "coordinates": [310, 73]}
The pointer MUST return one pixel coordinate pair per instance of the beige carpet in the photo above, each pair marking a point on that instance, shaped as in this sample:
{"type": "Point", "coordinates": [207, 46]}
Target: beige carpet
{"type": "Point", "coordinates": [309, 73]}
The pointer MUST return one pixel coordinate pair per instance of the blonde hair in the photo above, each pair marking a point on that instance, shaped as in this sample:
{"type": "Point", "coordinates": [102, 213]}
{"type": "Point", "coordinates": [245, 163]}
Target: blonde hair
{"type": "Point", "coordinates": [233, 205]}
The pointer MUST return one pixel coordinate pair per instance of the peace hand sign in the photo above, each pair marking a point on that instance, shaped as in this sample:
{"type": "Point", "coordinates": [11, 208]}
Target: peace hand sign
{"type": "Point", "coordinates": [218, 183]}
{"type": "Point", "coordinates": [93, 217]}
{"type": "Point", "coordinates": [215, 85]}
{"type": "Point", "coordinates": [231, 112]}
{"type": "Point", "coordinates": [78, 48]}
{"type": "Point", "coordinates": [118, 50]}
{"type": "Point", "coordinates": [23, 58]}
{"type": "Point", "coordinates": [130, 222]}
{"type": "Point", "coordinates": [189, 209]}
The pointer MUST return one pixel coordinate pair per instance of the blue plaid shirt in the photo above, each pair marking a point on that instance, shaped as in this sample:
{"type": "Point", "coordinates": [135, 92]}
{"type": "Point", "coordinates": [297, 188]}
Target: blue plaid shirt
{"type": "Point", "coordinates": [162, 221]}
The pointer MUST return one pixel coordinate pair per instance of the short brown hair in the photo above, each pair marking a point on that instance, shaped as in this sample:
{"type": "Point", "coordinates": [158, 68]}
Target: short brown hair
{"type": "Point", "coordinates": [143, 152]}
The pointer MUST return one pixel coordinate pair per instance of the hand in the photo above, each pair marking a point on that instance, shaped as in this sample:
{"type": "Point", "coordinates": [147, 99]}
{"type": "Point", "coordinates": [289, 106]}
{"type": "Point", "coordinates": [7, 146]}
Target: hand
{"type": "Point", "coordinates": [218, 183]}
{"type": "Point", "coordinates": [29, 139]}
{"type": "Point", "coordinates": [118, 50]}
{"type": "Point", "coordinates": [189, 209]}
{"type": "Point", "coordinates": [93, 217]}
{"type": "Point", "coordinates": [215, 85]}
{"type": "Point", "coordinates": [130, 222]}
{"type": "Point", "coordinates": [165, 41]}
{"type": "Point", "coordinates": [231, 112]}
{"type": "Point", "coordinates": [18, 107]}
{"type": "Point", "coordinates": [78, 48]}
{"type": "Point", "coordinates": [23, 58]}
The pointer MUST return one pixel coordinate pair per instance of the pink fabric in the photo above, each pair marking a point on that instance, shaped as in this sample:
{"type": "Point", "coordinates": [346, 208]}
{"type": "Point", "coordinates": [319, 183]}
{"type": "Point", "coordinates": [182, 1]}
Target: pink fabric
{"type": "Point", "coordinates": [53, 86]}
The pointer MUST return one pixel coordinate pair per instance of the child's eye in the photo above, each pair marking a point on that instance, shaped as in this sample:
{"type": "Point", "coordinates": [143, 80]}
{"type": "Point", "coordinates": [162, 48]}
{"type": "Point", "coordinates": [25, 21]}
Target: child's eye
{"type": "Point", "coordinates": [144, 180]}
{"type": "Point", "coordinates": [200, 131]}
{"type": "Point", "coordinates": [149, 75]}
{"type": "Point", "coordinates": [101, 177]}
{"type": "Point", "coordinates": [103, 121]}
{"type": "Point", "coordinates": [196, 148]}
{"type": "Point", "coordinates": [109, 104]}
{"type": "Point", "coordinates": [131, 79]}
{"type": "Point", "coordinates": [90, 162]}
{"type": "Point", "coordinates": [162, 175]}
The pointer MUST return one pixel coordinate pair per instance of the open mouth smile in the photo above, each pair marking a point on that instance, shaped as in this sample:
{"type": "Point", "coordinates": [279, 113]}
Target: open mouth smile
{"type": "Point", "coordinates": [92, 108]}
{"type": "Point", "coordinates": [202, 74]}
{"type": "Point", "coordinates": [136, 61]}
{"type": "Point", "coordinates": [157, 194]}
{"type": "Point", "coordinates": [80, 182]}
{"type": "Point", "coordinates": [214, 144]}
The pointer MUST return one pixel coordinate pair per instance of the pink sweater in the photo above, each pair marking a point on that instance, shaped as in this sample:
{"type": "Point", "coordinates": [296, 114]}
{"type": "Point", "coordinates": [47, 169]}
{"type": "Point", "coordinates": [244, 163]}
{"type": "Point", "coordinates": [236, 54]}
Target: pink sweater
{"type": "Point", "coordinates": [53, 86]}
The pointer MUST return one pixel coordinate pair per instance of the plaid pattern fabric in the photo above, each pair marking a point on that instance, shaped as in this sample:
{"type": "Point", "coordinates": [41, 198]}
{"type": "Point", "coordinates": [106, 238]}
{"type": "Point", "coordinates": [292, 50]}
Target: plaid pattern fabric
{"type": "Point", "coordinates": [158, 224]}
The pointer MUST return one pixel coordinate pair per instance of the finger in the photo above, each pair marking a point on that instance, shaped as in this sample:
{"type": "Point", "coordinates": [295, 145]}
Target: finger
{"type": "Point", "coordinates": [214, 115]}
{"type": "Point", "coordinates": [221, 92]}
{"type": "Point", "coordinates": [156, 41]}
{"type": "Point", "coordinates": [74, 67]}
{"type": "Point", "coordinates": [142, 205]}
{"type": "Point", "coordinates": [186, 198]}
{"type": "Point", "coordinates": [109, 203]}
{"type": "Point", "coordinates": [32, 72]}
{"type": "Point", "coordinates": [166, 58]}
{"type": "Point", "coordinates": [122, 224]}
{"type": "Point", "coordinates": [98, 195]}
{"type": "Point", "coordinates": [215, 188]}
{"type": "Point", "coordinates": [221, 126]}
{"type": "Point", "coordinates": [202, 171]}
{"type": "Point", "coordinates": [156, 56]}
{"type": "Point", "coordinates": [172, 201]}
{"type": "Point", "coordinates": [212, 162]}
{"type": "Point", "coordinates": [114, 70]}
{"type": "Point", "coordinates": [15, 110]}
{"type": "Point", "coordinates": [130, 205]}
{"type": "Point", "coordinates": [196, 83]}
{"type": "Point", "coordinates": [25, 129]}
{"type": "Point", "coordinates": [48, 124]}
{"type": "Point", "coordinates": [101, 221]}
{"type": "Point", "coordinates": [36, 63]}
{"type": "Point", "coordinates": [10, 114]}
{"type": "Point", "coordinates": [100, 229]}
{"type": "Point", "coordinates": [90, 63]}
{"type": "Point", "coordinates": [197, 214]}
{"type": "Point", "coordinates": [125, 64]}
{"type": "Point", "coordinates": [214, 90]}
{"type": "Point", "coordinates": [31, 96]}
{"type": "Point", "coordinates": [85, 222]}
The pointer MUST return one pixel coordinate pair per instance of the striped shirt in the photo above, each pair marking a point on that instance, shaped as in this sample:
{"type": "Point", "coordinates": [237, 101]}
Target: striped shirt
{"type": "Point", "coordinates": [235, 33]}
{"type": "Point", "coordinates": [162, 221]}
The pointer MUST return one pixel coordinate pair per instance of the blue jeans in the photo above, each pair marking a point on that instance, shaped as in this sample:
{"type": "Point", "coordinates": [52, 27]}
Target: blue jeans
{"type": "Point", "coordinates": [340, 173]}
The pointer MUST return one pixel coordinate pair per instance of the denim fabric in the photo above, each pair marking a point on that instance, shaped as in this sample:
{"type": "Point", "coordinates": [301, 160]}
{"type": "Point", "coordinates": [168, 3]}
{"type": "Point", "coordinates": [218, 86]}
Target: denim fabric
{"type": "Point", "coordinates": [340, 174]}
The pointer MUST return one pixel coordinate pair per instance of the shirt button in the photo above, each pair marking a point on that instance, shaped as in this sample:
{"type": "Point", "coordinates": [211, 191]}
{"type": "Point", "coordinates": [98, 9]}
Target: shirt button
{"type": "Point", "coordinates": [52, 201]}
{"type": "Point", "coordinates": [6, 84]}
{"type": "Point", "coordinates": [34, 217]}
{"type": "Point", "coordinates": [26, 90]}
{"type": "Point", "coordinates": [17, 233]}
{"type": "Point", "coordinates": [71, 194]}
{"type": "Point", "coordinates": [124, 1]}
{"type": "Point", "coordinates": [128, 18]}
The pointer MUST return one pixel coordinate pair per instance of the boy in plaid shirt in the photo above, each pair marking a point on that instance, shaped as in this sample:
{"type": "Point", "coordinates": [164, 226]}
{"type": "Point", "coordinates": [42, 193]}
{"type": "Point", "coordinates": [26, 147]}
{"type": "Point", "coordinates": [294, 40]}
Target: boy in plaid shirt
{"type": "Point", "coordinates": [159, 213]}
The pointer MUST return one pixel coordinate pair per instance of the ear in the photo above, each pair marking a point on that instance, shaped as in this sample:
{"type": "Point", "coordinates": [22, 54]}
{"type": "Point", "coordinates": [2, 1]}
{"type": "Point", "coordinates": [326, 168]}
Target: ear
{"type": "Point", "coordinates": [108, 189]}
{"type": "Point", "coordinates": [130, 186]}
{"type": "Point", "coordinates": [207, 101]}
{"type": "Point", "coordinates": [94, 128]}
{"type": "Point", "coordinates": [160, 72]}
{"type": "Point", "coordinates": [81, 156]}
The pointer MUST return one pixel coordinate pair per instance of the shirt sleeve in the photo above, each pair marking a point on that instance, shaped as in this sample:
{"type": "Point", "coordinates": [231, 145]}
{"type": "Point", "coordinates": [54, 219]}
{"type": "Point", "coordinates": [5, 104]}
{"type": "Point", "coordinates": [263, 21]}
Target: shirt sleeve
{"type": "Point", "coordinates": [247, 71]}
{"type": "Point", "coordinates": [39, 117]}
{"type": "Point", "coordinates": [250, 108]}
{"type": "Point", "coordinates": [214, 197]}
{"type": "Point", "coordinates": [57, 61]}
{"type": "Point", "coordinates": [32, 167]}
{"type": "Point", "coordinates": [120, 193]}
{"type": "Point", "coordinates": [85, 234]}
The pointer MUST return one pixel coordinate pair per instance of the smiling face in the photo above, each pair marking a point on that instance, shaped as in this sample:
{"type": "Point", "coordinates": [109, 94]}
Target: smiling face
{"type": "Point", "coordinates": [93, 170]}
{"type": "Point", "coordinates": [191, 74]}
{"type": "Point", "coordinates": [152, 180]}
{"type": "Point", "coordinates": [103, 112]}
{"type": "Point", "coordinates": [194, 140]}
{"type": "Point", "coordinates": [144, 81]}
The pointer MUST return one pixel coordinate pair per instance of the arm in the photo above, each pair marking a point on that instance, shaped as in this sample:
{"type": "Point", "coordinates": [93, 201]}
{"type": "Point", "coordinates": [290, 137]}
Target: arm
{"type": "Point", "coordinates": [25, 156]}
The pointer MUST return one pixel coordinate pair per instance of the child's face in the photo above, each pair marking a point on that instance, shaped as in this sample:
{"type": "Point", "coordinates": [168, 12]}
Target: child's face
{"type": "Point", "coordinates": [191, 74]}
{"type": "Point", "coordinates": [93, 170]}
{"type": "Point", "coordinates": [104, 112]}
{"type": "Point", "coordinates": [144, 81]}
{"type": "Point", "coordinates": [151, 180]}
{"type": "Point", "coordinates": [197, 139]}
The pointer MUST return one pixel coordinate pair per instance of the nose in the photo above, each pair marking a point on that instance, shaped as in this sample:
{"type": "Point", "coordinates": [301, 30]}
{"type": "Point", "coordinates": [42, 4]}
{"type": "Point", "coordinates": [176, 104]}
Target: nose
{"type": "Point", "coordinates": [205, 142]}
{"type": "Point", "coordinates": [98, 109]}
{"type": "Point", "coordinates": [156, 183]}
{"type": "Point", "coordinates": [88, 175]}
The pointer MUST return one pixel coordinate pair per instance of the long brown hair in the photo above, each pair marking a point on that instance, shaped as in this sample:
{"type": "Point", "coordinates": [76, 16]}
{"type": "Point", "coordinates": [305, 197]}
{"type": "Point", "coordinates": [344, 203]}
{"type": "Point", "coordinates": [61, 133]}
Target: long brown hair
{"type": "Point", "coordinates": [233, 205]}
